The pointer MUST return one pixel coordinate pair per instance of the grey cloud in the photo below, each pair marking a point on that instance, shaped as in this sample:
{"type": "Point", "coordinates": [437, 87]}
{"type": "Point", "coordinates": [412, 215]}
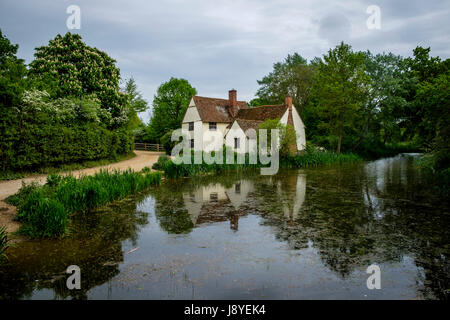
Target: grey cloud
{"type": "Point", "coordinates": [218, 45]}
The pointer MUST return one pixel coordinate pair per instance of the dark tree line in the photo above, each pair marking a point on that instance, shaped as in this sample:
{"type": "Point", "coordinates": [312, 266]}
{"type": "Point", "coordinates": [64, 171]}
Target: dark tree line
{"type": "Point", "coordinates": [65, 106]}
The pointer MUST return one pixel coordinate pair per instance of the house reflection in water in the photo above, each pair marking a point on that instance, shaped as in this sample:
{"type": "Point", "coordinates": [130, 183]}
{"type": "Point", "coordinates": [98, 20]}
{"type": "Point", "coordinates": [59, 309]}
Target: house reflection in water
{"type": "Point", "coordinates": [291, 191]}
{"type": "Point", "coordinates": [215, 203]}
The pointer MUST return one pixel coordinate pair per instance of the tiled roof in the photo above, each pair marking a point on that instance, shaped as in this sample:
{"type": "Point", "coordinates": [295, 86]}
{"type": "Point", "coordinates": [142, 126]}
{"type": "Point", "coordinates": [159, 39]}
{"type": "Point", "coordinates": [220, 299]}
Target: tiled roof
{"type": "Point", "coordinates": [248, 124]}
{"type": "Point", "coordinates": [262, 113]}
{"type": "Point", "coordinates": [215, 110]}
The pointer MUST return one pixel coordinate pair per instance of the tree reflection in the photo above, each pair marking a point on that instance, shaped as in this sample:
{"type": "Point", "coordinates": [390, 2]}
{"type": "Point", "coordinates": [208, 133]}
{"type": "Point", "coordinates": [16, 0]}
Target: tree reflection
{"type": "Point", "coordinates": [95, 245]}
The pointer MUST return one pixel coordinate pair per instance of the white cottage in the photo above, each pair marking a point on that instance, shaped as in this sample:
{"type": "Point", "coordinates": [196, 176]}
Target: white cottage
{"type": "Point", "coordinates": [212, 122]}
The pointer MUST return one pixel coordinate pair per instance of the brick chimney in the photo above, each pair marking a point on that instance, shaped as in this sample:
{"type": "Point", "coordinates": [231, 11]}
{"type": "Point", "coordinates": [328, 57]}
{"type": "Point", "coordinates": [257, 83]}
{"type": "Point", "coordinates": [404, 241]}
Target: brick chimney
{"type": "Point", "coordinates": [232, 102]}
{"type": "Point", "coordinates": [288, 102]}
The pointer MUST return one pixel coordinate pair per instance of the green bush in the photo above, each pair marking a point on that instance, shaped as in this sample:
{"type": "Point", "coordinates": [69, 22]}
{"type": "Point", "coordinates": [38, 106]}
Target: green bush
{"type": "Point", "coordinates": [43, 217]}
{"type": "Point", "coordinates": [44, 209]}
{"type": "Point", "coordinates": [54, 145]}
{"type": "Point", "coordinates": [161, 163]}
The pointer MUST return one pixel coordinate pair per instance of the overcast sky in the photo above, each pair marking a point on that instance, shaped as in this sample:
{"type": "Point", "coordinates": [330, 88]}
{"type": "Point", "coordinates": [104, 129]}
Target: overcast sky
{"type": "Point", "coordinates": [222, 44]}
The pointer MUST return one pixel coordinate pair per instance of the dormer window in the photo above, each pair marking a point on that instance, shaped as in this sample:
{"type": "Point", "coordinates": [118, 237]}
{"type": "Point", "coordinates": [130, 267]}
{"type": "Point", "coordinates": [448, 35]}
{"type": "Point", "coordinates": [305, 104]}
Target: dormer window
{"type": "Point", "coordinates": [212, 126]}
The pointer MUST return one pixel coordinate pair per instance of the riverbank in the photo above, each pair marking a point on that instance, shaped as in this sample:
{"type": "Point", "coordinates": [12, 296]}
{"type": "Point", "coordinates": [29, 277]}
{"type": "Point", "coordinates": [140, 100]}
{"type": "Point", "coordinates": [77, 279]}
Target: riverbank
{"type": "Point", "coordinates": [44, 211]}
{"type": "Point", "coordinates": [10, 187]}
{"type": "Point", "coordinates": [307, 159]}
{"type": "Point", "coordinates": [300, 234]}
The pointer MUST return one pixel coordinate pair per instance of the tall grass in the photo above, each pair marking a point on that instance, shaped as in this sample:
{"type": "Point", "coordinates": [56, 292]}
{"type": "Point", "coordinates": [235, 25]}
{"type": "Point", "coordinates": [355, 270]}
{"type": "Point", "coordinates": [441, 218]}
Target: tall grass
{"type": "Point", "coordinates": [307, 159]}
{"type": "Point", "coordinates": [4, 243]}
{"type": "Point", "coordinates": [44, 210]}
{"type": "Point", "coordinates": [316, 158]}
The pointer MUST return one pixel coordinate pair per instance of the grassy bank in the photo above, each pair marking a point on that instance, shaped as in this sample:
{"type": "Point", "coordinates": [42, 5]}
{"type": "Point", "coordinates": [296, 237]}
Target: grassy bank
{"type": "Point", "coordinates": [308, 159]}
{"type": "Point", "coordinates": [11, 175]}
{"type": "Point", "coordinates": [45, 210]}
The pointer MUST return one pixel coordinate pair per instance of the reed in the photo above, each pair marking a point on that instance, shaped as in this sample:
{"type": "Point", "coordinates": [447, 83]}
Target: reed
{"type": "Point", "coordinates": [44, 210]}
{"type": "Point", "coordinates": [4, 243]}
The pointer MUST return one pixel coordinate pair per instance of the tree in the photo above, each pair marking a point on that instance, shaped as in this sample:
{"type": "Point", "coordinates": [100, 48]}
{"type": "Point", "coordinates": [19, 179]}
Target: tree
{"type": "Point", "coordinates": [340, 89]}
{"type": "Point", "coordinates": [425, 70]}
{"type": "Point", "coordinates": [135, 99]}
{"type": "Point", "coordinates": [292, 77]}
{"type": "Point", "coordinates": [384, 111]}
{"type": "Point", "coordinates": [433, 96]}
{"type": "Point", "coordinates": [12, 86]}
{"type": "Point", "coordinates": [169, 106]}
{"type": "Point", "coordinates": [286, 135]}
{"type": "Point", "coordinates": [67, 67]}
{"type": "Point", "coordinates": [12, 73]}
{"type": "Point", "coordinates": [136, 103]}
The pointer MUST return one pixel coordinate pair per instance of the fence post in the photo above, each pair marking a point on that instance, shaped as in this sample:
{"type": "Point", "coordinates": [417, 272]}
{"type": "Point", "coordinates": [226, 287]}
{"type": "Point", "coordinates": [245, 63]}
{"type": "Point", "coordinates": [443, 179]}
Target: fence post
{"type": "Point", "coordinates": [157, 147]}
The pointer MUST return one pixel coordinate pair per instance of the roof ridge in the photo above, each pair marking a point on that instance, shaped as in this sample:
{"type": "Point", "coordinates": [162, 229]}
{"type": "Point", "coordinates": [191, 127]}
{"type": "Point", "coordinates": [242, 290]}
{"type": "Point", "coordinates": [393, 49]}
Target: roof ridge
{"type": "Point", "coordinates": [202, 97]}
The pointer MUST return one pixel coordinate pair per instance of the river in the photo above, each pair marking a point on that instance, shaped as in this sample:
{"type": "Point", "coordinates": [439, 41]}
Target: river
{"type": "Point", "coordinates": [301, 234]}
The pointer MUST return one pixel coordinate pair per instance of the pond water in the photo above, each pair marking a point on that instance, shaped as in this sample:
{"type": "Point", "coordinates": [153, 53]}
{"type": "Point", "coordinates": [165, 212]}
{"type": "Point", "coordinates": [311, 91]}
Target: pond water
{"type": "Point", "coordinates": [301, 234]}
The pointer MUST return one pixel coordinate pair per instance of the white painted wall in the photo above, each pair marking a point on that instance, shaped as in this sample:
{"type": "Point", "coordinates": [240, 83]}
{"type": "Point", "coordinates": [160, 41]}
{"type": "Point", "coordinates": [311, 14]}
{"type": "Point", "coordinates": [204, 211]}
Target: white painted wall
{"type": "Point", "coordinates": [298, 126]}
{"type": "Point", "coordinates": [299, 129]}
{"type": "Point", "coordinates": [236, 132]}
{"type": "Point", "coordinates": [213, 140]}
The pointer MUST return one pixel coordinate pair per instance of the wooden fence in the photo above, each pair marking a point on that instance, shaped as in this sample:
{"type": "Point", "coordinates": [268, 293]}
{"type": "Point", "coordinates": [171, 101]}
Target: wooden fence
{"type": "Point", "coordinates": [148, 146]}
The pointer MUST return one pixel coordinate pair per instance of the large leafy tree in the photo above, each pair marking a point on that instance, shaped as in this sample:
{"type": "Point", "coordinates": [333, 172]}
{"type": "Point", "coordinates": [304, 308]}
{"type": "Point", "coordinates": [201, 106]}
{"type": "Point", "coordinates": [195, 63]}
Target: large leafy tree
{"type": "Point", "coordinates": [169, 106]}
{"type": "Point", "coordinates": [428, 72]}
{"type": "Point", "coordinates": [67, 67]}
{"type": "Point", "coordinates": [385, 108]}
{"type": "Point", "coordinates": [12, 73]}
{"type": "Point", "coordinates": [293, 76]}
{"type": "Point", "coordinates": [341, 87]}
{"type": "Point", "coordinates": [12, 86]}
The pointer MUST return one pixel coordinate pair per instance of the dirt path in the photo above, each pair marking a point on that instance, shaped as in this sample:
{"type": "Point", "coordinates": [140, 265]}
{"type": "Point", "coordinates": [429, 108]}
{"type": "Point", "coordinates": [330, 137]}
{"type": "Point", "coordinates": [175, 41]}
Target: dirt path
{"type": "Point", "coordinates": [10, 187]}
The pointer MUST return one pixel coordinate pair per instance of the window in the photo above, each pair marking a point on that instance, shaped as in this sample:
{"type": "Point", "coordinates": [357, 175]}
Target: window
{"type": "Point", "coordinates": [236, 143]}
{"type": "Point", "coordinates": [212, 126]}
{"type": "Point", "coordinates": [192, 143]}
{"type": "Point", "coordinates": [213, 197]}
{"type": "Point", "coordinates": [191, 126]}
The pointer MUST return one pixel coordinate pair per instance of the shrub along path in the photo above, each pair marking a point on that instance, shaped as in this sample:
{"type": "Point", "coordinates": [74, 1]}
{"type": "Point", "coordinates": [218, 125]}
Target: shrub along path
{"type": "Point", "coordinates": [10, 187]}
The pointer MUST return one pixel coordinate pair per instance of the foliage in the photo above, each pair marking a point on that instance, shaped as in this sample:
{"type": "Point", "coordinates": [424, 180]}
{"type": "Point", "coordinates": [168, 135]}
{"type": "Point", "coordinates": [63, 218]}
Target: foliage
{"type": "Point", "coordinates": [167, 143]}
{"type": "Point", "coordinates": [44, 210]}
{"type": "Point", "coordinates": [12, 85]}
{"type": "Point", "coordinates": [311, 157]}
{"type": "Point", "coordinates": [293, 77]}
{"type": "Point", "coordinates": [169, 106]}
{"type": "Point", "coordinates": [286, 134]}
{"type": "Point", "coordinates": [341, 88]}
{"type": "Point", "coordinates": [4, 243]}
{"type": "Point", "coordinates": [67, 67]}
{"type": "Point", "coordinates": [161, 163]}
{"type": "Point", "coordinates": [42, 216]}
{"type": "Point", "coordinates": [76, 118]}
{"type": "Point", "coordinates": [136, 104]}
{"type": "Point", "coordinates": [60, 131]}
